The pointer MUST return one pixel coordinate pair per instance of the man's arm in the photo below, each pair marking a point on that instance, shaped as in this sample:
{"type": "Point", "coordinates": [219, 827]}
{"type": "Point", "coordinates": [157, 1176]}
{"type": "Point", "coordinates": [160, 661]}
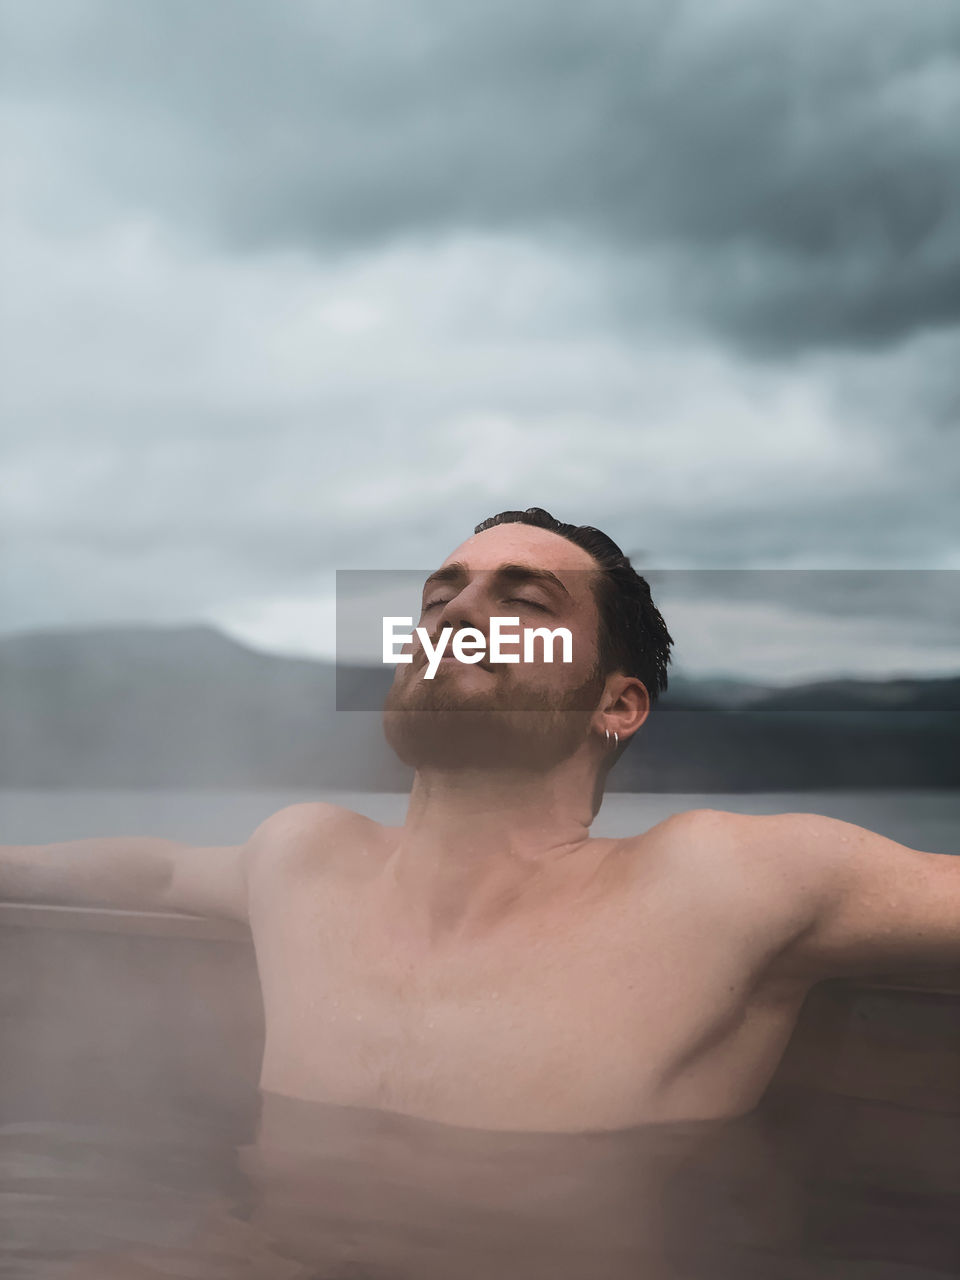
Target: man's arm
{"type": "Point", "coordinates": [866, 903]}
{"type": "Point", "coordinates": [138, 873]}
{"type": "Point", "coordinates": [147, 873]}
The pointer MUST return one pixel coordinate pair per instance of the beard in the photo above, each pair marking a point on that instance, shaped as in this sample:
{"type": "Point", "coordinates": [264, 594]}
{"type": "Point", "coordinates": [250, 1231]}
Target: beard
{"type": "Point", "coordinates": [438, 724]}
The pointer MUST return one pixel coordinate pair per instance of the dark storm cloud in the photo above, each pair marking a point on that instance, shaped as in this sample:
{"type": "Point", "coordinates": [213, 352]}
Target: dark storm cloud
{"type": "Point", "coordinates": [787, 174]}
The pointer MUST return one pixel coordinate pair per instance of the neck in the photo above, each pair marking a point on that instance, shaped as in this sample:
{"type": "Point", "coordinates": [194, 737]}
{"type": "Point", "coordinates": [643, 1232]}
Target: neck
{"type": "Point", "coordinates": [477, 844]}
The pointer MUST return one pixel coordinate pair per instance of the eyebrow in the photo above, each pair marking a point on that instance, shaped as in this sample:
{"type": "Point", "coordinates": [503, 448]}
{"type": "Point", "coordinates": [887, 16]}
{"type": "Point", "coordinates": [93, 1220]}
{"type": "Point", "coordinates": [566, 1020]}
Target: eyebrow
{"type": "Point", "coordinates": [456, 571]}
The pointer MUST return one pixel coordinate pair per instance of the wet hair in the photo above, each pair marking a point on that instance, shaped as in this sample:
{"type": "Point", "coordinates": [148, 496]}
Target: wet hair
{"type": "Point", "coordinates": [633, 635]}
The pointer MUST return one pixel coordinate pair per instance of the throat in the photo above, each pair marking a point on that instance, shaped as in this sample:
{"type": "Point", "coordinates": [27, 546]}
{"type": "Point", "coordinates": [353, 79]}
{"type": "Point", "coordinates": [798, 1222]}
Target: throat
{"type": "Point", "coordinates": [447, 896]}
{"type": "Point", "coordinates": [476, 852]}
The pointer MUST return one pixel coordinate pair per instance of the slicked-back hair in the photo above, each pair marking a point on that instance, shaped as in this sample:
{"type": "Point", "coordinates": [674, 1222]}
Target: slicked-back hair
{"type": "Point", "coordinates": [633, 636]}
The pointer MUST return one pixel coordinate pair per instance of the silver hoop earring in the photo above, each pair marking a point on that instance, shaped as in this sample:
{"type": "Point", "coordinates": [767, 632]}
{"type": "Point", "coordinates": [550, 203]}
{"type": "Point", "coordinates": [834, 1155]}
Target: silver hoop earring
{"type": "Point", "coordinates": [616, 740]}
{"type": "Point", "coordinates": [606, 734]}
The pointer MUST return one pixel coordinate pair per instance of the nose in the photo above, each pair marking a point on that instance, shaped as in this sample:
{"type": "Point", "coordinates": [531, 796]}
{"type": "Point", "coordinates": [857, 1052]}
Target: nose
{"type": "Point", "coordinates": [466, 608]}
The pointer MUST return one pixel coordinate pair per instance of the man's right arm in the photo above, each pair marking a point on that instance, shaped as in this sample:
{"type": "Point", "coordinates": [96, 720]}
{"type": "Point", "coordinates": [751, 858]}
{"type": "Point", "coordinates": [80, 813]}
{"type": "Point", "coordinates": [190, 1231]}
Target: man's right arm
{"type": "Point", "coordinates": [148, 873]}
{"type": "Point", "coordinates": [137, 873]}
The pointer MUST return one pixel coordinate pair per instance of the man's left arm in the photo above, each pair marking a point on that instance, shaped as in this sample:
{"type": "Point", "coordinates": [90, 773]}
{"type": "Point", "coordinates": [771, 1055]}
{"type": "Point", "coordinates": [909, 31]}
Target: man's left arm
{"type": "Point", "coordinates": [872, 904]}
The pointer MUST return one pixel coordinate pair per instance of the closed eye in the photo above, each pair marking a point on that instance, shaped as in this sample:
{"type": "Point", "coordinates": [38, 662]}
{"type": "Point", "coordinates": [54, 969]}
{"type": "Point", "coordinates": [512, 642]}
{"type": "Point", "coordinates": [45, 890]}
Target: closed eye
{"type": "Point", "coordinates": [531, 603]}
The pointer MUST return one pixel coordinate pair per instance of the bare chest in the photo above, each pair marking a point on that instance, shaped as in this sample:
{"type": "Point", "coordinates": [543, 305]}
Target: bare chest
{"type": "Point", "coordinates": [576, 1017]}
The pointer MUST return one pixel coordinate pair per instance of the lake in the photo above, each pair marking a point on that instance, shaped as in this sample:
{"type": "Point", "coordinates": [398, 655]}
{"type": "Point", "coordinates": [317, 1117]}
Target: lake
{"type": "Point", "coordinates": [927, 820]}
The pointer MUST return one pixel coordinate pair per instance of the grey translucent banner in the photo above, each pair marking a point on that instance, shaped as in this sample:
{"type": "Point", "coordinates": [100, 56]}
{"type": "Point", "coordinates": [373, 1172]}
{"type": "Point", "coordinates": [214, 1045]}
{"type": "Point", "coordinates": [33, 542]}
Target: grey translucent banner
{"type": "Point", "coordinates": [785, 642]}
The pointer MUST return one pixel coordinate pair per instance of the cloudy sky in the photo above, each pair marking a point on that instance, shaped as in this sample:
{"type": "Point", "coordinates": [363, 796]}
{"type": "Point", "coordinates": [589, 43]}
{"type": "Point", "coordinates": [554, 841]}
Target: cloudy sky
{"type": "Point", "coordinates": [297, 287]}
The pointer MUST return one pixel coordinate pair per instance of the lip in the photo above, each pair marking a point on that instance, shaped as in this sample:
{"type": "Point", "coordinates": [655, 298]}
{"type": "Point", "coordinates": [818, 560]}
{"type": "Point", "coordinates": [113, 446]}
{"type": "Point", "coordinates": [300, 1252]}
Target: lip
{"type": "Point", "coordinates": [448, 660]}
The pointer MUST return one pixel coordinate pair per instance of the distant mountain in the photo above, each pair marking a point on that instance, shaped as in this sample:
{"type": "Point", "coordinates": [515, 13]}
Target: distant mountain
{"type": "Point", "coordinates": [178, 707]}
{"type": "Point", "coordinates": [189, 707]}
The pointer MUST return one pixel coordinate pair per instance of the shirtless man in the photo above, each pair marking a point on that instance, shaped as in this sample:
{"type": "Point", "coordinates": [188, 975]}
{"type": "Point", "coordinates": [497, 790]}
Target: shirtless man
{"type": "Point", "coordinates": [489, 964]}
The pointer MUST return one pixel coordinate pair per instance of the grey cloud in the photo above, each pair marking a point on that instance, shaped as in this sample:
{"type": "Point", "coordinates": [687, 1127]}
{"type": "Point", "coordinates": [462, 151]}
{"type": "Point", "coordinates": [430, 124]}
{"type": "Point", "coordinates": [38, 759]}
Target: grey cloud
{"type": "Point", "coordinates": [928, 598]}
{"type": "Point", "coordinates": [201, 184]}
{"type": "Point", "coordinates": [790, 171]}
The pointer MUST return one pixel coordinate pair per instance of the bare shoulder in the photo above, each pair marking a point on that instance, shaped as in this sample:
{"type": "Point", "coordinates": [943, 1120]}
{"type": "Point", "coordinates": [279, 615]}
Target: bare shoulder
{"type": "Point", "coordinates": [823, 896]}
{"type": "Point", "coordinates": [814, 857]}
{"type": "Point", "coordinates": [693, 831]}
{"type": "Point", "coordinates": [748, 865]}
{"type": "Point", "coordinates": [768, 851]}
{"type": "Point", "coordinates": [705, 848]}
{"type": "Point", "coordinates": [793, 866]}
{"type": "Point", "coordinates": [310, 831]}
{"type": "Point", "coordinates": [869, 900]}
{"type": "Point", "coordinates": [305, 816]}
{"type": "Point", "coordinates": [757, 839]}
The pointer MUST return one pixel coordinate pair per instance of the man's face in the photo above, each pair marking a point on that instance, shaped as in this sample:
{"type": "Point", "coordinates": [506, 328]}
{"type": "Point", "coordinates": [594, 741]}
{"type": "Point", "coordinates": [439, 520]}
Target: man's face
{"type": "Point", "coordinates": [526, 715]}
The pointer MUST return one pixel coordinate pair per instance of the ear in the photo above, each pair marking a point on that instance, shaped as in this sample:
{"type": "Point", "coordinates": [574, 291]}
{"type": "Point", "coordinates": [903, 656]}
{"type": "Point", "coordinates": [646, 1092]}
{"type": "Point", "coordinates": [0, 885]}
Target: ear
{"type": "Point", "coordinates": [625, 706]}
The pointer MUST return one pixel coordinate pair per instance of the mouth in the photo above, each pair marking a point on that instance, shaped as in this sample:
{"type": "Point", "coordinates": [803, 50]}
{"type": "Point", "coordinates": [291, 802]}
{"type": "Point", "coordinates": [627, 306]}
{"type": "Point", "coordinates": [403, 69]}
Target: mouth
{"type": "Point", "coordinates": [448, 660]}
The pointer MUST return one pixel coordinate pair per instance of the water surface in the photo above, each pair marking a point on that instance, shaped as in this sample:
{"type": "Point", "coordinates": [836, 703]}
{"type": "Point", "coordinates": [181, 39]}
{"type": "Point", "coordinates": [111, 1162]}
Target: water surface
{"type": "Point", "coordinates": [928, 820]}
{"type": "Point", "coordinates": [335, 1193]}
